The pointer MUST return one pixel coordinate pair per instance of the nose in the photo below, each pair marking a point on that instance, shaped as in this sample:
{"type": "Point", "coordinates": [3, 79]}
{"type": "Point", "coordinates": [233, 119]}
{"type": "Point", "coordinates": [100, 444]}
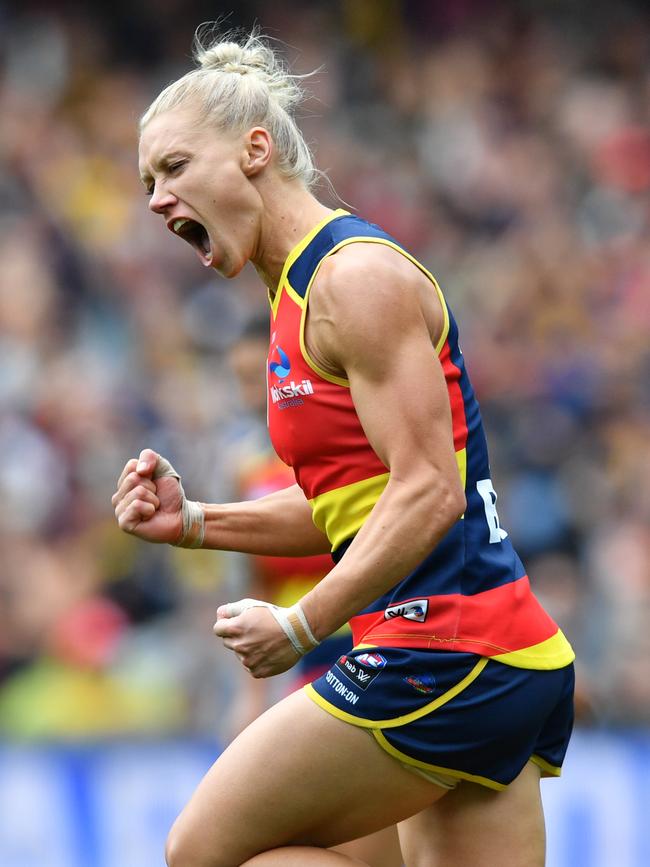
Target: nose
{"type": "Point", "coordinates": [161, 199]}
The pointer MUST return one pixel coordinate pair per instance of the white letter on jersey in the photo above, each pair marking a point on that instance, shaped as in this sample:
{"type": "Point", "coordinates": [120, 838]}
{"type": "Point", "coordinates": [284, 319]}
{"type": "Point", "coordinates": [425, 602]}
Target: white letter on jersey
{"type": "Point", "coordinates": [489, 497]}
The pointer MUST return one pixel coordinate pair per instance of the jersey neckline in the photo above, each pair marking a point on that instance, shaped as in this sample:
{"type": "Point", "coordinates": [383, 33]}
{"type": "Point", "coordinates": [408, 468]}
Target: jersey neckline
{"type": "Point", "coordinates": [274, 301]}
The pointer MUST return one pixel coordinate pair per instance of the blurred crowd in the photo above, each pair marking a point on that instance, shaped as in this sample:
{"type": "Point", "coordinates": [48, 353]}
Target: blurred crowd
{"type": "Point", "coordinates": [506, 144]}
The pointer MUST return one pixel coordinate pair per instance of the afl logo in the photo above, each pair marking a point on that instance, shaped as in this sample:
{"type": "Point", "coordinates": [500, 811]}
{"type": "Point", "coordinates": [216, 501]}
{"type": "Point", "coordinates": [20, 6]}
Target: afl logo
{"type": "Point", "coordinates": [372, 660]}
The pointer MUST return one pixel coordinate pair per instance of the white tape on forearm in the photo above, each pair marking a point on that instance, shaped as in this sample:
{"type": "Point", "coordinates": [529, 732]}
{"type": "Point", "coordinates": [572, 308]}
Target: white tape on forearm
{"type": "Point", "coordinates": [193, 524]}
{"type": "Point", "coordinates": [305, 625]}
{"type": "Point", "coordinates": [292, 620]}
{"type": "Point", "coordinates": [192, 513]}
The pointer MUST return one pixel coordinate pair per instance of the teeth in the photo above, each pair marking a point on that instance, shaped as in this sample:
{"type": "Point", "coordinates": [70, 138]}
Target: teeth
{"type": "Point", "coordinates": [178, 224]}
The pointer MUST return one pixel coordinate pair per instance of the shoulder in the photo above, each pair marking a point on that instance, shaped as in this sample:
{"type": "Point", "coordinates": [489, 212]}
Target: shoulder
{"type": "Point", "coordinates": [361, 261]}
{"type": "Point", "coordinates": [364, 277]}
{"type": "Point", "coordinates": [364, 296]}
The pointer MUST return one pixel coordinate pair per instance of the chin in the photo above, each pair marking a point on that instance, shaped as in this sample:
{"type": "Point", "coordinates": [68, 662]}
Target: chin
{"type": "Point", "coordinates": [229, 269]}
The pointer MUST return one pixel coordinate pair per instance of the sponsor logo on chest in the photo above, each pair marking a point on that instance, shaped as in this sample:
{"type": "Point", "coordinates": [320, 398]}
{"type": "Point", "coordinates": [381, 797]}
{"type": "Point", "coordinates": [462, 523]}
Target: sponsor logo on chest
{"type": "Point", "coordinates": [291, 389]}
{"type": "Point", "coordinates": [286, 394]}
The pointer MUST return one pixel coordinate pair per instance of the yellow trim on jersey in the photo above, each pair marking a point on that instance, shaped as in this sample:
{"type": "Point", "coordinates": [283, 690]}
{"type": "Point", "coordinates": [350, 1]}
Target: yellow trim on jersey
{"type": "Point", "coordinates": [362, 239]}
{"type": "Point", "coordinates": [551, 770]}
{"type": "Point", "coordinates": [291, 258]}
{"type": "Point", "coordinates": [425, 766]}
{"type": "Point", "coordinates": [341, 513]}
{"type": "Point", "coordinates": [554, 653]}
{"type": "Point", "coordinates": [399, 720]}
{"type": "Point", "coordinates": [461, 461]}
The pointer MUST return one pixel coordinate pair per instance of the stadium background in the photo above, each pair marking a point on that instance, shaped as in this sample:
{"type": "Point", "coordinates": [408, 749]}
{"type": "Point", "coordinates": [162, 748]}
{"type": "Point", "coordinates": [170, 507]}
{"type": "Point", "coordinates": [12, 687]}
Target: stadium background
{"type": "Point", "coordinates": [508, 145]}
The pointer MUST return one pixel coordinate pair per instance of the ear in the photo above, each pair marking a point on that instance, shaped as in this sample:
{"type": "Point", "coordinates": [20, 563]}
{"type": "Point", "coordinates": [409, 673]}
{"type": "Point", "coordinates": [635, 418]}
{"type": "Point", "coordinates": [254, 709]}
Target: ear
{"type": "Point", "coordinates": [258, 151]}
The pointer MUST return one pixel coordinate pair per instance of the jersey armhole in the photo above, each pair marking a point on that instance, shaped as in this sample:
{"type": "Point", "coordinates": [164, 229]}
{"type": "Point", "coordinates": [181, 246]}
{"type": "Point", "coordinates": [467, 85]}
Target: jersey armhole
{"type": "Point", "coordinates": [362, 239]}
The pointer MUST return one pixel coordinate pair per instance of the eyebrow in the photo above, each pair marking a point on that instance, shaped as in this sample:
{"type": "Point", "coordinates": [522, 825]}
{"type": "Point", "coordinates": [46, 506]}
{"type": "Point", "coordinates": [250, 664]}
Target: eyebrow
{"type": "Point", "coordinates": [162, 162]}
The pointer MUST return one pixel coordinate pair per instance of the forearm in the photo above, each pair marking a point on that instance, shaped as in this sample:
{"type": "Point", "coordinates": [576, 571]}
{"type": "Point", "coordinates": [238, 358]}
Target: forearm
{"type": "Point", "coordinates": [279, 524]}
{"type": "Point", "coordinates": [407, 522]}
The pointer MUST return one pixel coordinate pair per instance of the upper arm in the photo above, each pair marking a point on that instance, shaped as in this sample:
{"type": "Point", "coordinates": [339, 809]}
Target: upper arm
{"type": "Point", "coordinates": [367, 318]}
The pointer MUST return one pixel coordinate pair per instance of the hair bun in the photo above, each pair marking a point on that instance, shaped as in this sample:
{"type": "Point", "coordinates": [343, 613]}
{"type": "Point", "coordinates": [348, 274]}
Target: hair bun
{"type": "Point", "coordinates": [226, 57]}
{"type": "Point", "coordinates": [252, 57]}
{"type": "Point", "coordinates": [241, 82]}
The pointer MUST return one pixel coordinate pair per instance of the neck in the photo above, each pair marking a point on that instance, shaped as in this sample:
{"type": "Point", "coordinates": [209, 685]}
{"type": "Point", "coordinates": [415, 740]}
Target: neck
{"type": "Point", "coordinates": [290, 212]}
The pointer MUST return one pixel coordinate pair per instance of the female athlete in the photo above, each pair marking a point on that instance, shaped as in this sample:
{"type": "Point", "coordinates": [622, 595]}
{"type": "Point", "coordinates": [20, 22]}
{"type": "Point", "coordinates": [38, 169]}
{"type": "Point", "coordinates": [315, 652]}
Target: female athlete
{"type": "Point", "coordinates": [457, 694]}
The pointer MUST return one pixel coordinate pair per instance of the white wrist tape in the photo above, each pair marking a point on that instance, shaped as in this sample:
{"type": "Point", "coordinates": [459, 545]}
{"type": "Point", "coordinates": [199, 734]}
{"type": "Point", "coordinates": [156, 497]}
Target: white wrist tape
{"type": "Point", "coordinates": [292, 620]}
{"type": "Point", "coordinates": [192, 512]}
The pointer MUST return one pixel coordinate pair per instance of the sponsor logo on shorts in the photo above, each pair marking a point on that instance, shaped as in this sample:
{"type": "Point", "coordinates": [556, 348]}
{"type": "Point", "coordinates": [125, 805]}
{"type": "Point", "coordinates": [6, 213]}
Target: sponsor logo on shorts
{"type": "Point", "coordinates": [414, 609]}
{"type": "Point", "coordinates": [360, 675]}
{"type": "Point", "coordinates": [373, 660]}
{"type": "Point", "coordinates": [424, 684]}
{"type": "Point", "coordinates": [340, 688]}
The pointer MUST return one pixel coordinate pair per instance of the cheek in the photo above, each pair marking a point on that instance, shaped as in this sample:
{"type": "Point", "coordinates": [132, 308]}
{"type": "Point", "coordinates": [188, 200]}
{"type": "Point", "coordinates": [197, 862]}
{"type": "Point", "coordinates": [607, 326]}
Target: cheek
{"type": "Point", "coordinates": [230, 186]}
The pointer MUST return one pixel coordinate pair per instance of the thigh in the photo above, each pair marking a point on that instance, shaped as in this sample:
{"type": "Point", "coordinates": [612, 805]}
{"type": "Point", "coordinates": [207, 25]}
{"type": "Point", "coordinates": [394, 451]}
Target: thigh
{"type": "Point", "coordinates": [296, 775]}
{"type": "Point", "coordinates": [380, 849]}
{"type": "Point", "coordinates": [474, 826]}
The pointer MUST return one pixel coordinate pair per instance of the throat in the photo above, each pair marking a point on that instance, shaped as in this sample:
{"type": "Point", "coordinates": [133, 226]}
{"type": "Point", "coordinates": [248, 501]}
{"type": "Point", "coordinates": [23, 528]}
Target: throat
{"type": "Point", "coordinates": [269, 281]}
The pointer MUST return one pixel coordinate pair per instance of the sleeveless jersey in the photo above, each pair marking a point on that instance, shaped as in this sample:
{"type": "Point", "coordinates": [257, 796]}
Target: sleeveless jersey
{"type": "Point", "coordinates": [471, 593]}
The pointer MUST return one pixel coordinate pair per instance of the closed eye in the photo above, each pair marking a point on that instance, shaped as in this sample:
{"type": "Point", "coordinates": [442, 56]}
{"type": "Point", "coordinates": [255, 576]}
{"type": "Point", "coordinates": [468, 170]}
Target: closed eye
{"type": "Point", "coordinates": [172, 169]}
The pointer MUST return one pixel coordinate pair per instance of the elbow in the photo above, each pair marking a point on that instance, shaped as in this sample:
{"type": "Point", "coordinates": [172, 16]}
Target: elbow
{"type": "Point", "coordinates": [439, 502]}
{"type": "Point", "coordinates": [460, 505]}
{"type": "Point", "coordinates": [446, 505]}
{"type": "Point", "coordinates": [451, 505]}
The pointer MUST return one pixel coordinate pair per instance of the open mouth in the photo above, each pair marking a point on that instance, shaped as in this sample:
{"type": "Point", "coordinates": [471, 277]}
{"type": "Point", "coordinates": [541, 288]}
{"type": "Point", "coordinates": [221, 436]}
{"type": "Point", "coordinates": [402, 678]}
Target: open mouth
{"type": "Point", "coordinates": [196, 235]}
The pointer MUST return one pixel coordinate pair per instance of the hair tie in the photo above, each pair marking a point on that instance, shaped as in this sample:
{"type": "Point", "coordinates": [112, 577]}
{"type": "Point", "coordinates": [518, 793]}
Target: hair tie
{"type": "Point", "coordinates": [231, 66]}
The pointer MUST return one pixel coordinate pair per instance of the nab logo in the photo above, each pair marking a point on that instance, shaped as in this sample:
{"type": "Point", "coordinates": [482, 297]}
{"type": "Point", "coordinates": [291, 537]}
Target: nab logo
{"type": "Point", "coordinates": [361, 670]}
{"type": "Point", "coordinates": [281, 368]}
{"type": "Point", "coordinates": [415, 609]}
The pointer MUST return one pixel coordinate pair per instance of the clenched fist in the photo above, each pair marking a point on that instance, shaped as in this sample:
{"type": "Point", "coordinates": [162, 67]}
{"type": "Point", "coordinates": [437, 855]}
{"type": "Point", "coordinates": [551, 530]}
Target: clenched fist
{"type": "Point", "coordinates": [150, 503]}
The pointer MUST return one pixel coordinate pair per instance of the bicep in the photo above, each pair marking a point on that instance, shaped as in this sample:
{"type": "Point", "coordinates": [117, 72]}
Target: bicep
{"type": "Point", "coordinates": [401, 398]}
{"type": "Point", "coordinates": [374, 328]}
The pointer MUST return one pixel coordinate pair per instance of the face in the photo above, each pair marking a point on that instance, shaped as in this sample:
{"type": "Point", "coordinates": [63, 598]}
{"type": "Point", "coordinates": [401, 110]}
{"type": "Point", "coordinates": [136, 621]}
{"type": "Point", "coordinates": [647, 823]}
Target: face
{"type": "Point", "coordinates": [198, 180]}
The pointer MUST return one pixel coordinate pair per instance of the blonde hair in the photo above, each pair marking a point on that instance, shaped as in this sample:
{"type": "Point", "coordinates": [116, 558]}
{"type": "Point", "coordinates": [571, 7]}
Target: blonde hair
{"type": "Point", "coordinates": [241, 82]}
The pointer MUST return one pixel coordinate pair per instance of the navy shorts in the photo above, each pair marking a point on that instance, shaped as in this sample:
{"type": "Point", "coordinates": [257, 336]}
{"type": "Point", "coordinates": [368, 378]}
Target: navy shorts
{"type": "Point", "coordinates": [457, 714]}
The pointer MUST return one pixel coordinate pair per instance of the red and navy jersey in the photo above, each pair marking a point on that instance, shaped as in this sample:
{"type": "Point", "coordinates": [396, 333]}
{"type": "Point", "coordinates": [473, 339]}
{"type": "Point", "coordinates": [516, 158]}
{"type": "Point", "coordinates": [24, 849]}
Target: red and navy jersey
{"type": "Point", "coordinates": [471, 593]}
